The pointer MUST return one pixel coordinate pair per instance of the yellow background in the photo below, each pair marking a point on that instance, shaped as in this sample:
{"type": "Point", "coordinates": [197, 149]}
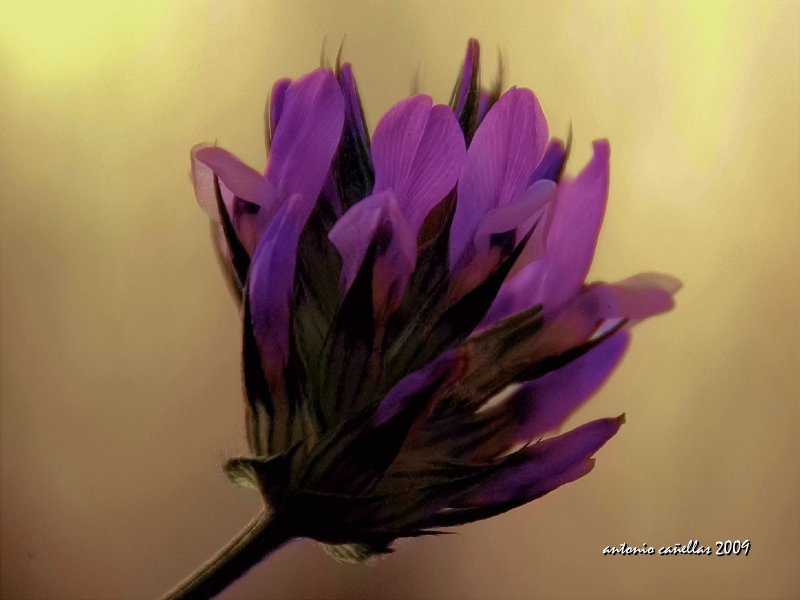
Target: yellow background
{"type": "Point", "coordinates": [120, 389]}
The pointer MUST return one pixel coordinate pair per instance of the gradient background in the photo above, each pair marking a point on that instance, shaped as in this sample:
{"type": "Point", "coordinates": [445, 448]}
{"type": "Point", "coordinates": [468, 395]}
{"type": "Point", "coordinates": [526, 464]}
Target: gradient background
{"type": "Point", "coordinates": [120, 343]}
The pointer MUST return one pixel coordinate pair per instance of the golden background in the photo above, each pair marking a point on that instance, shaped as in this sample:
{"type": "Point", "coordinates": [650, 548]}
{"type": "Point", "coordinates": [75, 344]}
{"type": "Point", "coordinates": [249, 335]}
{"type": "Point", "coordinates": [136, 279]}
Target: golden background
{"type": "Point", "coordinates": [120, 342]}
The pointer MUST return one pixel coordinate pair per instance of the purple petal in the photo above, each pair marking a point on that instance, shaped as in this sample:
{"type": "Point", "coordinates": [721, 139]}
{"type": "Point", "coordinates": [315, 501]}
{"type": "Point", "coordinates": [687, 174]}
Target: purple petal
{"type": "Point", "coordinates": [276, 102]}
{"type": "Point", "coordinates": [530, 209]}
{"type": "Point", "coordinates": [484, 104]}
{"type": "Point", "coordinates": [417, 151]}
{"type": "Point", "coordinates": [552, 162]}
{"type": "Point", "coordinates": [519, 215]}
{"type": "Point", "coordinates": [517, 293]}
{"type": "Point", "coordinates": [500, 161]}
{"type": "Point", "coordinates": [544, 404]}
{"type": "Point", "coordinates": [354, 117]}
{"type": "Point", "coordinates": [352, 167]}
{"type": "Point", "coordinates": [536, 247]}
{"type": "Point", "coordinates": [306, 137]}
{"type": "Point", "coordinates": [271, 281]}
{"type": "Point", "coordinates": [471, 63]}
{"type": "Point", "coordinates": [550, 464]}
{"type": "Point", "coordinates": [442, 372]}
{"type": "Point", "coordinates": [360, 456]}
{"type": "Point", "coordinates": [573, 233]}
{"type": "Point", "coordinates": [352, 235]}
{"type": "Point", "coordinates": [394, 264]}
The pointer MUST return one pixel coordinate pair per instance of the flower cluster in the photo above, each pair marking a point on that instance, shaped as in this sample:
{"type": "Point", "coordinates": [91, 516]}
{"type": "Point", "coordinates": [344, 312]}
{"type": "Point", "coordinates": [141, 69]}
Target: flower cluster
{"type": "Point", "coordinates": [415, 314]}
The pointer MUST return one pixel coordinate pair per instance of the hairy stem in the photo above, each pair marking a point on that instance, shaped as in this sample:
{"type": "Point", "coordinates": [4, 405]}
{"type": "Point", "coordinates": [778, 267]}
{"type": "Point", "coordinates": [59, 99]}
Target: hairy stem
{"type": "Point", "coordinates": [262, 536]}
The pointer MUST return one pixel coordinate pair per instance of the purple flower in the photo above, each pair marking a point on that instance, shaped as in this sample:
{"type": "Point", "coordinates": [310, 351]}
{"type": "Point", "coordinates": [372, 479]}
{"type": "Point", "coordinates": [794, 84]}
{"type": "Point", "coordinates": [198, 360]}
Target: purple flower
{"type": "Point", "coordinates": [416, 320]}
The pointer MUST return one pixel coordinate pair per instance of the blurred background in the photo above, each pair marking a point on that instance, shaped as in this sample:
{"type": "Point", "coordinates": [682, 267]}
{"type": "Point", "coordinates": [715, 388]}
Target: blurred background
{"type": "Point", "coordinates": [120, 342]}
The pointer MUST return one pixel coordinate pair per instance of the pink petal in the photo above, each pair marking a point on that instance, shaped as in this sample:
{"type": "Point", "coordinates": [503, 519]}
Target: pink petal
{"type": "Point", "coordinates": [506, 148]}
{"type": "Point", "coordinates": [242, 181]}
{"type": "Point", "coordinates": [417, 152]}
{"type": "Point", "coordinates": [637, 297]}
{"type": "Point", "coordinates": [244, 191]}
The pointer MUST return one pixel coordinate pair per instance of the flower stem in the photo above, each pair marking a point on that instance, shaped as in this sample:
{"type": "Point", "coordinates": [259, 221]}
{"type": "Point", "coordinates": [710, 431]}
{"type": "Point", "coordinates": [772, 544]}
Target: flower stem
{"type": "Point", "coordinates": [262, 536]}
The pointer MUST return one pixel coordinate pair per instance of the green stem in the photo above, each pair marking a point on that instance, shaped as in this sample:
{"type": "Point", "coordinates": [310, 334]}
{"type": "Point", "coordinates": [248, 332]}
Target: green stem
{"type": "Point", "coordinates": [262, 536]}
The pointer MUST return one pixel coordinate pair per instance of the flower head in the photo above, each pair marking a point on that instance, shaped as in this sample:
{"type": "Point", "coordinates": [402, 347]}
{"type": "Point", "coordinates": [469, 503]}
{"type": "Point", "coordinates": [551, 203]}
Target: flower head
{"type": "Point", "coordinates": [415, 314]}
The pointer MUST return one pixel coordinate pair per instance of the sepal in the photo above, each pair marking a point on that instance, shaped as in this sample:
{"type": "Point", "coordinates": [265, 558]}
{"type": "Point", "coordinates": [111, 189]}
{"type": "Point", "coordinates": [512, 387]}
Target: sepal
{"type": "Point", "coordinates": [269, 475]}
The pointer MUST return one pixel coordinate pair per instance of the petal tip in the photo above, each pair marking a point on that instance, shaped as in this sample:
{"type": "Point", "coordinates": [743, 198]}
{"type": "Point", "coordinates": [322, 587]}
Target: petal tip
{"type": "Point", "coordinates": [203, 152]}
{"type": "Point", "coordinates": [663, 281]}
{"type": "Point", "coordinates": [197, 147]}
{"type": "Point", "coordinates": [602, 147]}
